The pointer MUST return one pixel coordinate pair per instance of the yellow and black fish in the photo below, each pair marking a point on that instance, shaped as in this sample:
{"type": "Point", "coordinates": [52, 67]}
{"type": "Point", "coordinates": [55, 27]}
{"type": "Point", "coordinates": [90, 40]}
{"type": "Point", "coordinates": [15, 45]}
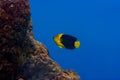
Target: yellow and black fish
{"type": "Point", "coordinates": [66, 41]}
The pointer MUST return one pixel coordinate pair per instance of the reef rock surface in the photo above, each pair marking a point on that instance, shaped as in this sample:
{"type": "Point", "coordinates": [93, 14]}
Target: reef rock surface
{"type": "Point", "coordinates": [22, 57]}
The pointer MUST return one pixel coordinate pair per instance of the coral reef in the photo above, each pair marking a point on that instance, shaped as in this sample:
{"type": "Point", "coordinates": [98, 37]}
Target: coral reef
{"type": "Point", "coordinates": [22, 57]}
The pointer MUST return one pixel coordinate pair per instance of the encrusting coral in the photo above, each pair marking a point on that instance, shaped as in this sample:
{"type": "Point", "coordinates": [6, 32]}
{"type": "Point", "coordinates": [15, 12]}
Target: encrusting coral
{"type": "Point", "coordinates": [22, 57]}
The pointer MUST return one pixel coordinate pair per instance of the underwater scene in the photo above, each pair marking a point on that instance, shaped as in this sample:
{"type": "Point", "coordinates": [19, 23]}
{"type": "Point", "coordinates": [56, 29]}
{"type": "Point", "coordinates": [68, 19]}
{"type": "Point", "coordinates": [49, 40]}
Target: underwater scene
{"type": "Point", "coordinates": [92, 27]}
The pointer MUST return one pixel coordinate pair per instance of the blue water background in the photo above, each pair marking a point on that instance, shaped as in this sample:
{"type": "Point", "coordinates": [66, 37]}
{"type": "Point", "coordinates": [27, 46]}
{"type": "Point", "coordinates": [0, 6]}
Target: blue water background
{"type": "Point", "coordinates": [96, 23]}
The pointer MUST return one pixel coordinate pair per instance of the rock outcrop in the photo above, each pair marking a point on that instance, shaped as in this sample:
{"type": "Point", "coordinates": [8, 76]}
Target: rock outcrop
{"type": "Point", "coordinates": [22, 57]}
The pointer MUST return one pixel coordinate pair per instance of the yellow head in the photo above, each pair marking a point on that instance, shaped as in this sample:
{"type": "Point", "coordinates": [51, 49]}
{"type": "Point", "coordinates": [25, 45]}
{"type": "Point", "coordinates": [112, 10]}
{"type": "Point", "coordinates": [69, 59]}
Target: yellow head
{"type": "Point", "coordinates": [57, 40]}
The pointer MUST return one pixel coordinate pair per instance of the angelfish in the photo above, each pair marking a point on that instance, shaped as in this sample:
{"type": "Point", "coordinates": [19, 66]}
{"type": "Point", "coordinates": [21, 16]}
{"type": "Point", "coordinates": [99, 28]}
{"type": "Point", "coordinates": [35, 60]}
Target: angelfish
{"type": "Point", "coordinates": [66, 41]}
